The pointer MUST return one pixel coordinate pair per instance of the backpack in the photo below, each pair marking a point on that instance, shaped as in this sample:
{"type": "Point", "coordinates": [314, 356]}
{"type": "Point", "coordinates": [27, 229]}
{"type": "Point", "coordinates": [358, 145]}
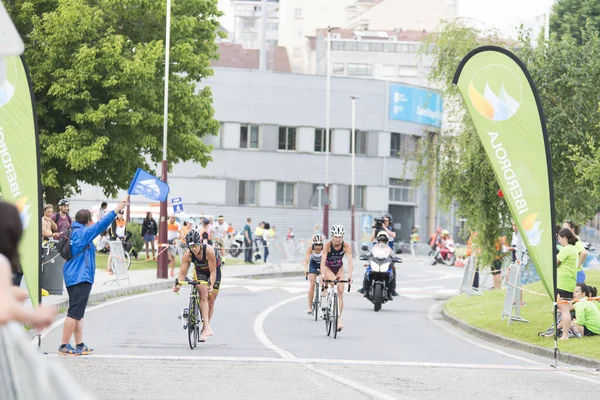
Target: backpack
{"type": "Point", "coordinates": [57, 217]}
{"type": "Point", "coordinates": [64, 246]}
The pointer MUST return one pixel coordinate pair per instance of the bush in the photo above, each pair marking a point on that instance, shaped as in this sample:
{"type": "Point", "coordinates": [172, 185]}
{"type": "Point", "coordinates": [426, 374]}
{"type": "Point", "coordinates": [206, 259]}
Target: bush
{"type": "Point", "coordinates": [136, 235]}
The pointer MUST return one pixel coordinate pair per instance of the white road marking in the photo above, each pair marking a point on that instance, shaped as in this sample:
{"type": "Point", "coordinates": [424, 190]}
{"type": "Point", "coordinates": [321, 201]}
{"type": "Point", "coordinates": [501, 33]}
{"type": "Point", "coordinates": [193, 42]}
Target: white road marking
{"type": "Point", "coordinates": [294, 290]}
{"type": "Point", "coordinates": [415, 296]}
{"type": "Point", "coordinates": [262, 337]}
{"type": "Point", "coordinates": [257, 288]}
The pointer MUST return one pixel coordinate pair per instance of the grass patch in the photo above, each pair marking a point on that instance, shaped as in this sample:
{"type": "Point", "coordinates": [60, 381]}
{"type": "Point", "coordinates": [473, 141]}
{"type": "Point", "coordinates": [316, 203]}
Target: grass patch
{"type": "Point", "coordinates": [485, 312]}
{"type": "Point", "coordinates": [102, 262]}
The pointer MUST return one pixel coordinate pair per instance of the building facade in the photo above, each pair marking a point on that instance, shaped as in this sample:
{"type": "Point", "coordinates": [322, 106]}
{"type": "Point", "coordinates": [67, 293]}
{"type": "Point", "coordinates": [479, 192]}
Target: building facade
{"type": "Point", "coordinates": [269, 157]}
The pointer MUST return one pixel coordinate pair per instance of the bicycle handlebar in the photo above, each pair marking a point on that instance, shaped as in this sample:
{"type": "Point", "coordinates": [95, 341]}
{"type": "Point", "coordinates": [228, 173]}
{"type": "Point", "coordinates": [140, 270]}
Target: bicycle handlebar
{"type": "Point", "coordinates": [193, 283]}
{"type": "Point", "coordinates": [339, 281]}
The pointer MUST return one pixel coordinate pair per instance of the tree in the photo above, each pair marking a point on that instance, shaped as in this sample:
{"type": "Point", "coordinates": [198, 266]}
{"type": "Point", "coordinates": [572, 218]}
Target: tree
{"type": "Point", "coordinates": [567, 76]}
{"type": "Point", "coordinates": [97, 68]}
{"type": "Point", "coordinates": [569, 17]}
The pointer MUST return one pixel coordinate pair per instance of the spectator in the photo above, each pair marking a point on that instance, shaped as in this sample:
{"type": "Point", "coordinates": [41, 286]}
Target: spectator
{"type": "Point", "coordinates": [118, 227]}
{"type": "Point", "coordinates": [173, 236]}
{"type": "Point", "coordinates": [102, 210]}
{"type": "Point", "coordinates": [103, 245]}
{"type": "Point", "coordinates": [248, 242]}
{"type": "Point", "coordinates": [79, 276]}
{"type": "Point", "coordinates": [566, 261]}
{"type": "Point", "coordinates": [62, 218]}
{"type": "Point", "coordinates": [220, 234]}
{"type": "Point", "coordinates": [149, 231]}
{"type": "Point", "coordinates": [587, 315]}
{"type": "Point", "coordinates": [49, 227]}
{"type": "Point", "coordinates": [290, 234]}
{"type": "Point", "coordinates": [258, 239]}
{"type": "Point", "coordinates": [570, 225]}
{"type": "Point", "coordinates": [266, 237]}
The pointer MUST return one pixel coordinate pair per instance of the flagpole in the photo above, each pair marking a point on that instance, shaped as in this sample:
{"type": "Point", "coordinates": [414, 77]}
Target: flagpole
{"type": "Point", "coordinates": [163, 256]}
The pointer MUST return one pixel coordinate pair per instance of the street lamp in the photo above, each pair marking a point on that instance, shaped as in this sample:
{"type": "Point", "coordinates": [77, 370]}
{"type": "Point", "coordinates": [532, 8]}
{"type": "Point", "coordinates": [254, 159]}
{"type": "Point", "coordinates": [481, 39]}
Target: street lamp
{"type": "Point", "coordinates": [327, 105]}
{"type": "Point", "coordinates": [163, 256]}
{"type": "Point", "coordinates": [353, 150]}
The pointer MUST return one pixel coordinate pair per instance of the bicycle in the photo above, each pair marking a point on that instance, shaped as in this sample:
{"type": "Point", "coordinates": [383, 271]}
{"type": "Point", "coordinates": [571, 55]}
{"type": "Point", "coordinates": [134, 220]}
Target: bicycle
{"type": "Point", "coordinates": [316, 297]}
{"type": "Point", "coordinates": [192, 314]}
{"type": "Point", "coordinates": [332, 309]}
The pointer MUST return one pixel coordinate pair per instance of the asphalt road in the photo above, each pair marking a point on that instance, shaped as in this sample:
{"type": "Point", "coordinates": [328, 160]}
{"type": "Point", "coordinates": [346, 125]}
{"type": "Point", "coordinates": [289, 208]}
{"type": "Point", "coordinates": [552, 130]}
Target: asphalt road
{"type": "Point", "coordinates": [265, 346]}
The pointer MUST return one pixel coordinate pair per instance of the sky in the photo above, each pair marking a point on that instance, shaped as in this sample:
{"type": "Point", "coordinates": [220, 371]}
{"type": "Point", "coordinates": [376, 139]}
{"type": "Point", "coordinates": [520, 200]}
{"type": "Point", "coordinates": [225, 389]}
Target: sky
{"type": "Point", "coordinates": [503, 14]}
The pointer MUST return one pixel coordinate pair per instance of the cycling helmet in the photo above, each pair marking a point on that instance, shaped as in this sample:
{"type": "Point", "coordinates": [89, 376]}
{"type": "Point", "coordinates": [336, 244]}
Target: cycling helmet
{"type": "Point", "coordinates": [63, 202]}
{"type": "Point", "coordinates": [192, 237]}
{"type": "Point", "coordinates": [337, 230]}
{"type": "Point", "coordinates": [388, 216]}
{"type": "Point", "coordinates": [382, 236]}
{"type": "Point", "coordinates": [318, 239]}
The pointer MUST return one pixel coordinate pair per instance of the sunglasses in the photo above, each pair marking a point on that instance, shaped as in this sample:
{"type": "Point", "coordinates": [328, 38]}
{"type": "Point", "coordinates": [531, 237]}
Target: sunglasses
{"type": "Point", "coordinates": [194, 246]}
{"type": "Point", "coordinates": [318, 244]}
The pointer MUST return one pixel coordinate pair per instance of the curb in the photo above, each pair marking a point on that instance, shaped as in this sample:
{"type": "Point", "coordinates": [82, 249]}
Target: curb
{"type": "Point", "coordinates": [517, 345]}
{"type": "Point", "coordinates": [282, 274]}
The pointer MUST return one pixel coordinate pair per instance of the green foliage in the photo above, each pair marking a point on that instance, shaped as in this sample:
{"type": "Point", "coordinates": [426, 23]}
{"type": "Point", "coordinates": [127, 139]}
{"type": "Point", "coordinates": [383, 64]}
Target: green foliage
{"type": "Point", "coordinates": [569, 17]}
{"type": "Point", "coordinates": [97, 67]}
{"type": "Point", "coordinates": [464, 173]}
{"type": "Point", "coordinates": [136, 236]}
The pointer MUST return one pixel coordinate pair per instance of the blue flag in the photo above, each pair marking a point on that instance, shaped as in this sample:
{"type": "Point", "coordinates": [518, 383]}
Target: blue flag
{"type": "Point", "coordinates": [148, 186]}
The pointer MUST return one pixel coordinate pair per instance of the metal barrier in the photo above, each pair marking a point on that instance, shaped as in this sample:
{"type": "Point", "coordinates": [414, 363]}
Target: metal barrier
{"type": "Point", "coordinates": [468, 278]}
{"type": "Point", "coordinates": [117, 262]}
{"type": "Point", "coordinates": [25, 374]}
{"type": "Point", "coordinates": [512, 298]}
{"type": "Point", "coordinates": [283, 251]}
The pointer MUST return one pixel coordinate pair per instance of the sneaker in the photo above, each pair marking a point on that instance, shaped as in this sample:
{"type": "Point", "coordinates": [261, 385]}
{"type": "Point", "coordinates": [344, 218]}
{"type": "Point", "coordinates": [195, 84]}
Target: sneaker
{"type": "Point", "coordinates": [67, 350]}
{"type": "Point", "coordinates": [84, 350]}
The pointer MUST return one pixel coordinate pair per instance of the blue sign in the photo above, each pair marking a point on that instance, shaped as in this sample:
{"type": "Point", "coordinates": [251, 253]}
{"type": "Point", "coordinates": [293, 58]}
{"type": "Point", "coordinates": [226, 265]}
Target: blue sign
{"type": "Point", "coordinates": [415, 105]}
{"type": "Point", "coordinates": [148, 186]}
{"type": "Point", "coordinates": [177, 205]}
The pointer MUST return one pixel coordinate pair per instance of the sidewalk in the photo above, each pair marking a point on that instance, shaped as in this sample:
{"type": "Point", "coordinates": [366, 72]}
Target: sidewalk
{"type": "Point", "coordinates": [146, 281]}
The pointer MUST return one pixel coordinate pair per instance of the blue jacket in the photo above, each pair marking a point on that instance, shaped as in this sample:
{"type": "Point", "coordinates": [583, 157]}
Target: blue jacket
{"type": "Point", "coordinates": [82, 267]}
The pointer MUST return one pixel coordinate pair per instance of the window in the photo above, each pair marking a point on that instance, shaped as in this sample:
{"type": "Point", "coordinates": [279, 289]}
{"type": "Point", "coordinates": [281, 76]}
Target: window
{"type": "Point", "coordinates": [249, 137]}
{"type": "Point", "coordinates": [248, 193]}
{"type": "Point", "coordinates": [337, 69]}
{"type": "Point", "coordinates": [314, 201]}
{"type": "Point", "coordinates": [395, 145]}
{"type": "Point", "coordinates": [389, 47]}
{"type": "Point", "coordinates": [361, 142]}
{"type": "Point", "coordinates": [287, 138]}
{"type": "Point", "coordinates": [350, 45]}
{"type": "Point", "coordinates": [359, 197]}
{"type": "Point", "coordinates": [376, 46]}
{"type": "Point", "coordinates": [413, 48]}
{"type": "Point", "coordinates": [272, 26]}
{"type": "Point", "coordinates": [401, 191]}
{"type": "Point", "coordinates": [337, 45]}
{"type": "Point", "coordinates": [285, 194]}
{"type": "Point", "coordinates": [363, 46]}
{"type": "Point", "coordinates": [297, 52]}
{"type": "Point", "coordinates": [388, 70]}
{"type": "Point", "coordinates": [360, 69]}
{"type": "Point", "coordinates": [298, 32]}
{"type": "Point", "coordinates": [408, 70]}
{"type": "Point", "coordinates": [321, 140]}
{"type": "Point", "coordinates": [298, 13]}
{"type": "Point", "coordinates": [402, 48]}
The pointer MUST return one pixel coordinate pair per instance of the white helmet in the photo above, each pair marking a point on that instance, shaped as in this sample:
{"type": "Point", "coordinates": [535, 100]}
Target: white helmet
{"type": "Point", "coordinates": [318, 239]}
{"type": "Point", "coordinates": [337, 230]}
{"type": "Point", "coordinates": [382, 236]}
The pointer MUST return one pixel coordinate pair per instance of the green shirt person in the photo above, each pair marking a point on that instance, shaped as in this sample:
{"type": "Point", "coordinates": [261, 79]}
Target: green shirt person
{"type": "Point", "coordinates": [567, 268]}
{"type": "Point", "coordinates": [587, 315]}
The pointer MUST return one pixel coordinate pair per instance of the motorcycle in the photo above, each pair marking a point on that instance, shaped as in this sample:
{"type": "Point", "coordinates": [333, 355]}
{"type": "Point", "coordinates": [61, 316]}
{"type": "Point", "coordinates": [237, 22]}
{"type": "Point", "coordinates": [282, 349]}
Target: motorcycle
{"type": "Point", "coordinates": [381, 264]}
{"type": "Point", "coordinates": [237, 245]}
{"type": "Point", "coordinates": [448, 259]}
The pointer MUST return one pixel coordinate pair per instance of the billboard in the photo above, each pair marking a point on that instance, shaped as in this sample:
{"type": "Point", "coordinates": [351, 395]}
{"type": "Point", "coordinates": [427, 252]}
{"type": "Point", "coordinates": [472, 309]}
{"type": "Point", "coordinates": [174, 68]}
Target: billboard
{"type": "Point", "coordinates": [417, 105]}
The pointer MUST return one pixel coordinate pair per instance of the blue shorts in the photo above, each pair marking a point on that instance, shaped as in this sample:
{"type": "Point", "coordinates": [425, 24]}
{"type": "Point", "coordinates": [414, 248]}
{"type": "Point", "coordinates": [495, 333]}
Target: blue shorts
{"type": "Point", "coordinates": [314, 267]}
{"type": "Point", "coordinates": [149, 238]}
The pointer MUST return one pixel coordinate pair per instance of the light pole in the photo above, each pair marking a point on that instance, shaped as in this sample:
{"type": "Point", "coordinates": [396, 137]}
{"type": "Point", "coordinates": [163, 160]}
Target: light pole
{"type": "Point", "coordinates": [327, 112]}
{"type": "Point", "coordinates": [163, 256]}
{"type": "Point", "coordinates": [353, 150]}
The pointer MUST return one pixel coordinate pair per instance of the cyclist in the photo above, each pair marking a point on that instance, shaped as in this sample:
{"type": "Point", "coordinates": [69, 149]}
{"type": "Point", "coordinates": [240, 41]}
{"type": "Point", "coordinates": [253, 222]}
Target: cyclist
{"type": "Point", "coordinates": [203, 257]}
{"type": "Point", "coordinates": [332, 265]}
{"type": "Point", "coordinates": [312, 266]}
{"type": "Point", "coordinates": [381, 248]}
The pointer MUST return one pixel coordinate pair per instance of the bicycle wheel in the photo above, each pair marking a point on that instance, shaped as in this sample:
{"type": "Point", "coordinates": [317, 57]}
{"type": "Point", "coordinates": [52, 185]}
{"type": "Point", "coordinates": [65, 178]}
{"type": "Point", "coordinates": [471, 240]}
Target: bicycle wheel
{"type": "Point", "coordinates": [192, 322]}
{"type": "Point", "coordinates": [334, 315]}
{"type": "Point", "coordinates": [127, 260]}
{"type": "Point", "coordinates": [327, 316]}
{"type": "Point", "coordinates": [316, 301]}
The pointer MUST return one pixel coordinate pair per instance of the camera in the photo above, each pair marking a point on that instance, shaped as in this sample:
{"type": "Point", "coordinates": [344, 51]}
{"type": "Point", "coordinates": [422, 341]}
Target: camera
{"type": "Point", "coordinates": [378, 223]}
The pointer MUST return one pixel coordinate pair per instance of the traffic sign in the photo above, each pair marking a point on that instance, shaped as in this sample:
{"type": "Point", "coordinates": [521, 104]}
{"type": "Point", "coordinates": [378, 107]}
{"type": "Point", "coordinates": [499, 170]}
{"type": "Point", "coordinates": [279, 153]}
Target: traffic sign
{"type": "Point", "coordinates": [177, 203]}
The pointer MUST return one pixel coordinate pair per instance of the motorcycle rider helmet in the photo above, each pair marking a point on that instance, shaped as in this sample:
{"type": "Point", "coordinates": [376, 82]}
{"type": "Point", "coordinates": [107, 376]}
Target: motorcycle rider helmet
{"type": "Point", "coordinates": [317, 239]}
{"type": "Point", "coordinates": [337, 230]}
{"type": "Point", "coordinates": [192, 238]}
{"type": "Point", "coordinates": [63, 202]}
{"type": "Point", "coordinates": [389, 217]}
{"type": "Point", "coordinates": [445, 233]}
{"type": "Point", "coordinates": [382, 237]}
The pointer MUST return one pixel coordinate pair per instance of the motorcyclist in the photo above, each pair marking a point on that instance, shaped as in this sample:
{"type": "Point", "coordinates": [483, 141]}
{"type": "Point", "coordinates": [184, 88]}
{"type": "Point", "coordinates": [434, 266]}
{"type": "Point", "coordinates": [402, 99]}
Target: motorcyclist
{"type": "Point", "coordinates": [446, 244]}
{"type": "Point", "coordinates": [380, 249]}
{"type": "Point", "coordinates": [385, 226]}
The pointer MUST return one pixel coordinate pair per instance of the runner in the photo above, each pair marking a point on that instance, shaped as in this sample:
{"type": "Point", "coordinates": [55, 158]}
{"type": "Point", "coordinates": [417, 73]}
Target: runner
{"type": "Point", "coordinates": [312, 265]}
{"type": "Point", "coordinates": [332, 265]}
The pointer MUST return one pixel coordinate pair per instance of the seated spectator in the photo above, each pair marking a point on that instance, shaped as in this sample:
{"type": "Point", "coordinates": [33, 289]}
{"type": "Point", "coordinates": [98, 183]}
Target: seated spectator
{"type": "Point", "coordinates": [103, 245]}
{"type": "Point", "coordinates": [587, 315]}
